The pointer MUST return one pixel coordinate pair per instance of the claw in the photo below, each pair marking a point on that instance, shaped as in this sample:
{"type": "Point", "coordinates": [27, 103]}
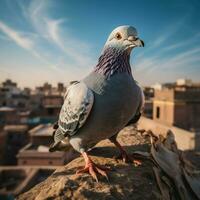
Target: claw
{"type": "Point", "coordinates": [93, 174]}
{"type": "Point", "coordinates": [92, 168]}
{"type": "Point", "coordinates": [81, 171]}
{"type": "Point", "coordinates": [125, 156]}
{"type": "Point", "coordinates": [102, 172]}
{"type": "Point", "coordinates": [137, 162]}
{"type": "Point", "coordinates": [128, 159]}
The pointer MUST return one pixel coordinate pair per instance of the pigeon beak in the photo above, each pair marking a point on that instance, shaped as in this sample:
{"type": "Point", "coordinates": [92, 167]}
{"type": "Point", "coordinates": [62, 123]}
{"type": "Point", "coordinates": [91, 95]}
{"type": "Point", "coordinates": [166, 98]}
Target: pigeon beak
{"type": "Point", "coordinates": [139, 43]}
{"type": "Point", "coordinates": [136, 41]}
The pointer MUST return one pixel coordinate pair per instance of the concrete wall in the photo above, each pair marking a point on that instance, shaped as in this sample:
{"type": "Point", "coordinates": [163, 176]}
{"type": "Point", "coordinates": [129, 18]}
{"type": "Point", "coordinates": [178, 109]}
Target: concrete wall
{"type": "Point", "coordinates": [53, 100]}
{"type": "Point", "coordinates": [164, 94]}
{"type": "Point", "coordinates": [178, 107]}
{"type": "Point", "coordinates": [166, 112]}
{"type": "Point", "coordinates": [192, 112]}
{"type": "Point", "coordinates": [40, 161]}
{"type": "Point", "coordinates": [186, 140]}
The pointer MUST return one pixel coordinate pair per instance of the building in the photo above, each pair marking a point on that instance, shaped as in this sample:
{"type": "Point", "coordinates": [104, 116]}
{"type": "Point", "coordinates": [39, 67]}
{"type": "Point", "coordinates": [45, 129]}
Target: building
{"type": "Point", "coordinates": [13, 96]}
{"type": "Point", "coordinates": [2, 146]}
{"type": "Point", "coordinates": [182, 82]}
{"type": "Point", "coordinates": [8, 115]}
{"type": "Point", "coordinates": [178, 106]}
{"type": "Point", "coordinates": [19, 101]}
{"type": "Point", "coordinates": [46, 101]}
{"type": "Point", "coordinates": [37, 151]}
{"type": "Point", "coordinates": [52, 100]}
{"type": "Point", "coordinates": [23, 117]}
{"type": "Point", "coordinates": [61, 88]}
{"type": "Point", "coordinates": [49, 89]}
{"type": "Point", "coordinates": [148, 107]}
{"type": "Point", "coordinates": [52, 104]}
{"type": "Point", "coordinates": [15, 180]}
{"type": "Point", "coordinates": [13, 138]}
{"type": "Point", "coordinates": [2, 97]}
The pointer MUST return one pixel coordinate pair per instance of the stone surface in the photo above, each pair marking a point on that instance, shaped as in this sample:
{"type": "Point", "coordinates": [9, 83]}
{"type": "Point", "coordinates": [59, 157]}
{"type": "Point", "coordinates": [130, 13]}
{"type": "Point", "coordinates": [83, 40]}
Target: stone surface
{"type": "Point", "coordinates": [125, 180]}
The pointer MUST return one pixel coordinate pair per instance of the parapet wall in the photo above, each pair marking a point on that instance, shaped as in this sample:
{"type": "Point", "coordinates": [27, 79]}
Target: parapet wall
{"type": "Point", "coordinates": [186, 140]}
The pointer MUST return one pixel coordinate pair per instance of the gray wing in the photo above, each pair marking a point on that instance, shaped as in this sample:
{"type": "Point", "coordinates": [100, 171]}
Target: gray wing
{"type": "Point", "coordinates": [142, 102]}
{"type": "Point", "coordinates": [78, 102]}
{"type": "Point", "coordinates": [140, 109]}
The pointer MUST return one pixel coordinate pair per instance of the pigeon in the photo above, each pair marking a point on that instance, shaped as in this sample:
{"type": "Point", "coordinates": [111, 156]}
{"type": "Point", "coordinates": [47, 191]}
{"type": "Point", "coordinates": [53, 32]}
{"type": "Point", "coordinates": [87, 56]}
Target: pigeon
{"type": "Point", "coordinates": [103, 103]}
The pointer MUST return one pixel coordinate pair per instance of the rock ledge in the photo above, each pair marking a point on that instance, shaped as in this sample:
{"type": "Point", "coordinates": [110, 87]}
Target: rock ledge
{"type": "Point", "coordinates": [125, 180]}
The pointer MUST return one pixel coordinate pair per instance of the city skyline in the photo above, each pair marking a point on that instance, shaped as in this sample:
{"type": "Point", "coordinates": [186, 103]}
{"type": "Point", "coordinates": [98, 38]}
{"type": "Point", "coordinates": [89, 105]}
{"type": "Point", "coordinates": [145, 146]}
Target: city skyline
{"type": "Point", "coordinates": [43, 41]}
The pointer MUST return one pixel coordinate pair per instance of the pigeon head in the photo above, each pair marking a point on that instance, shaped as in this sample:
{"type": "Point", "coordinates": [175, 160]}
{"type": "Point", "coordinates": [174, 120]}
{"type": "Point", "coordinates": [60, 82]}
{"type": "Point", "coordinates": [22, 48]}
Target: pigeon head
{"type": "Point", "coordinates": [124, 38]}
{"type": "Point", "coordinates": [115, 56]}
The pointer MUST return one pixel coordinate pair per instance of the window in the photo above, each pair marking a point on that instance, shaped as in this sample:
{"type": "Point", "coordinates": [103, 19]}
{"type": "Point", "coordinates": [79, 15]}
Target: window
{"type": "Point", "coordinates": [50, 162]}
{"type": "Point", "coordinates": [50, 111]}
{"type": "Point", "coordinates": [157, 112]}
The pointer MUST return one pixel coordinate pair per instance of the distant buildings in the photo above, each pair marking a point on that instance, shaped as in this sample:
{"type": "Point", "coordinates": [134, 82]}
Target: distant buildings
{"type": "Point", "coordinates": [15, 180]}
{"type": "Point", "coordinates": [46, 102]}
{"type": "Point", "coordinates": [148, 109]}
{"type": "Point", "coordinates": [8, 115]}
{"type": "Point", "coordinates": [26, 118]}
{"type": "Point", "coordinates": [51, 104]}
{"type": "Point", "coordinates": [37, 151]}
{"type": "Point", "coordinates": [178, 105]}
{"type": "Point", "coordinates": [27, 106]}
{"type": "Point", "coordinates": [22, 110]}
{"type": "Point", "coordinates": [13, 138]}
{"type": "Point", "coordinates": [174, 104]}
{"type": "Point", "coordinates": [12, 96]}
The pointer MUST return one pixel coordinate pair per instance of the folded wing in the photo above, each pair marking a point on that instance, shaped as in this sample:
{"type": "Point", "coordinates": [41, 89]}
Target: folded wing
{"type": "Point", "coordinates": [140, 109]}
{"type": "Point", "coordinates": [78, 102]}
{"type": "Point", "coordinates": [142, 103]}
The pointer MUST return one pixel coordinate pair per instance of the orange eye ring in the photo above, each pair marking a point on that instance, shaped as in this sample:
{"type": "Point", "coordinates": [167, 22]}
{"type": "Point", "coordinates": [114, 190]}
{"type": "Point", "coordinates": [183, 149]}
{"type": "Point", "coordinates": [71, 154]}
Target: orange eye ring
{"type": "Point", "coordinates": [118, 36]}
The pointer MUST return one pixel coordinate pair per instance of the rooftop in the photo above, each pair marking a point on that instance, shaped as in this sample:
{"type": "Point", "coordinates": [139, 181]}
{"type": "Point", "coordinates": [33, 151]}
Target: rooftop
{"type": "Point", "coordinates": [35, 151]}
{"type": "Point", "coordinates": [6, 109]}
{"type": "Point", "coordinates": [16, 128]}
{"type": "Point", "coordinates": [42, 130]}
{"type": "Point", "coordinates": [15, 179]}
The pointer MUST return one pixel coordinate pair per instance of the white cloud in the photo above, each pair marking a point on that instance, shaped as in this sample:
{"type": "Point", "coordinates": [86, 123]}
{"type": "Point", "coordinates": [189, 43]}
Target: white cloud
{"type": "Point", "coordinates": [161, 63]}
{"type": "Point", "coordinates": [48, 31]}
{"type": "Point", "coordinates": [73, 47]}
{"type": "Point", "coordinates": [160, 60]}
{"type": "Point", "coordinates": [4, 37]}
{"type": "Point", "coordinates": [51, 29]}
{"type": "Point", "coordinates": [24, 42]}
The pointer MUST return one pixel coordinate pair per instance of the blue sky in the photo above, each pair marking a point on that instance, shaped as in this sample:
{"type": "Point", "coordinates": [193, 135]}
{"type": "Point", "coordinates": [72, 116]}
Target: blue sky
{"type": "Point", "coordinates": [61, 40]}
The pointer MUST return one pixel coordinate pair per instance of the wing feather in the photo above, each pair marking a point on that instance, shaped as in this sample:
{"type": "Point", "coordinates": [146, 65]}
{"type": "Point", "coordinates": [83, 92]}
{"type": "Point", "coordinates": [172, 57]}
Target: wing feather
{"type": "Point", "coordinates": [140, 109]}
{"type": "Point", "coordinates": [76, 108]}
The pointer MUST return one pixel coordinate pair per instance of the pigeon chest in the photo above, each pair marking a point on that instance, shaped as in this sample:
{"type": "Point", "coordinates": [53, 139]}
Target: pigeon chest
{"type": "Point", "coordinates": [116, 102]}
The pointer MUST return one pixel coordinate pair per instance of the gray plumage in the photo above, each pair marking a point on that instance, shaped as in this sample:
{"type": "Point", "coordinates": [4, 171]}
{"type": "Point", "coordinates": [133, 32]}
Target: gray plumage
{"type": "Point", "coordinates": [117, 100]}
{"type": "Point", "coordinates": [78, 102]}
{"type": "Point", "coordinates": [101, 104]}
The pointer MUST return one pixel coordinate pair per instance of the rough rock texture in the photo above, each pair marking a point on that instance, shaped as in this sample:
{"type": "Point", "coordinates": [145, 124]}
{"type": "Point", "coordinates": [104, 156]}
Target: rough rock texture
{"type": "Point", "coordinates": [125, 180]}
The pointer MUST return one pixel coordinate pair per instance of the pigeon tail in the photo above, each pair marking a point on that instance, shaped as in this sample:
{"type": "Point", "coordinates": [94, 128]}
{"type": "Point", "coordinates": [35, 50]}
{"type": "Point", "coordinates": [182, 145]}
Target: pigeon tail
{"type": "Point", "coordinates": [61, 143]}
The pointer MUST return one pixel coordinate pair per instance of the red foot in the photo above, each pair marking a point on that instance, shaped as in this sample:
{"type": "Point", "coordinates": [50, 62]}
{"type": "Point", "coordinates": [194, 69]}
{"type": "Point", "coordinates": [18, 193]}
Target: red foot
{"type": "Point", "coordinates": [128, 159]}
{"type": "Point", "coordinates": [124, 156]}
{"type": "Point", "coordinates": [92, 168]}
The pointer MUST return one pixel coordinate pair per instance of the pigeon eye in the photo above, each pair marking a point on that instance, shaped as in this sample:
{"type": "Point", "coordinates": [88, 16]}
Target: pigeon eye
{"type": "Point", "coordinates": [118, 36]}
